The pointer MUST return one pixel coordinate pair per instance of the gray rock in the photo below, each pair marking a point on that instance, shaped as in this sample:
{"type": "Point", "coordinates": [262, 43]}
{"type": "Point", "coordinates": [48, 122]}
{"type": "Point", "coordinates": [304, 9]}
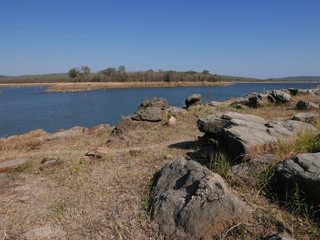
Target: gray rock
{"type": "Point", "coordinates": [278, 96]}
{"type": "Point", "coordinates": [279, 237]}
{"type": "Point", "coordinates": [151, 114]}
{"type": "Point", "coordinates": [175, 112]}
{"type": "Point", "coordinates": [239, 133]}
{"type": "Point", "coordinates": [12, 165]}
{"type": "Point", "coordinates": [155, 102]}
{"type": "Point", "coordinates": [306, 116]}
{"type": "Point", "coordinates": [302, 105]}
{"type": "Point", "coordinates": [193, 100]}
{"type": "Point", "coordinates": [305, 171]}
{"type": "Point", "coordinates": [188, 201]}
{"type": "Point", "coordinates": [255, 100]}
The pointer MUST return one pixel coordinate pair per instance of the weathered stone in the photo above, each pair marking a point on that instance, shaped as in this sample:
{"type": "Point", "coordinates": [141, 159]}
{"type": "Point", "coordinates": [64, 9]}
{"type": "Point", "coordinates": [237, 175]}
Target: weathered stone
{"type": "Point", "coordinates": [188, 201]}
{"type": "Point", "coordinates": [175, 111]}
{"type": "Point", "coordinates": [98, 152]}
{"type": "Point", "coordinates": [193, 100]}
{"type": "Point", "coordinates": [155, 102]}
{"type": "Point", "coordinates": [239, 133]}
{"type": "Point", "coordinates": [256, 99]}
{"type": "Point", "coordinates": [135, 152]}
{"type": "Point", "coordinates": [278, 96]}
{"type": "Point", "coordinates": [302, 105]}
{"type": "Point", "coordinates": [306, 116]}
{"type": "Point", "coordinates": [12, 165]}
{"type": "Point", "coordinates": [151, 114]}
{"type": "Point", "coordinates": [303, 170]}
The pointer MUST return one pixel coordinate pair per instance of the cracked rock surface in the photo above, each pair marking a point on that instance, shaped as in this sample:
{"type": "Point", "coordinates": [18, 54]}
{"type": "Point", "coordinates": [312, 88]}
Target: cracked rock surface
{"type": "Point", "coordinates": [188, 201]}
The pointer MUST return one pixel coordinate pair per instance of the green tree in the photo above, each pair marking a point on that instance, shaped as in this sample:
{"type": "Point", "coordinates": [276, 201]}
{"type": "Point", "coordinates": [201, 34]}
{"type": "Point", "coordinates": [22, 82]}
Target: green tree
{"type": "Point", "coordinates": [109, 71]}
{"type": "Point", "coordinates": [121, 69]}
{"type": "Point", "coordinates": [205, 72]}
{"type": "Point", "coordinates": [73, 73]}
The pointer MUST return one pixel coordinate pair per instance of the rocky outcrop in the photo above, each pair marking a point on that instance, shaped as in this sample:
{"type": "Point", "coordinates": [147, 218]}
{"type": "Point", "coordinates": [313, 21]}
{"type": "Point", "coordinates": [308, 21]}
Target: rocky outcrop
{"type": "Point", "coordinates": [239, 133]}
{"type": "Point", "coordinates": [278, 96]}
{"type": "Point", "coordinates": [188, 201]}
{"type": "Point", "coordinates": [148, 114]}
{"type": "Point", "coordinates": [303, 170]}
{"type": "Point", "coordinates": [193, 101]}
{"type": "Point", "coordinates": [306, 116]}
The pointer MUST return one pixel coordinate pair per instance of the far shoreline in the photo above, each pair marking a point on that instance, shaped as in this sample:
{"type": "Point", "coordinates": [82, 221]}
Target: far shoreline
{"type": "Point", "coordinates": [91, 86]}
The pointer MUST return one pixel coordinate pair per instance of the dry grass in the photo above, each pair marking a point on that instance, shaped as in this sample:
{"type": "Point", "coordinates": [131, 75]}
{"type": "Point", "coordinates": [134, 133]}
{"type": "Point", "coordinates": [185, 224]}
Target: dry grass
{"type": "Point", "coordinates": [107, 198]}
{"type": "Point", "coordinates": [88, 86]}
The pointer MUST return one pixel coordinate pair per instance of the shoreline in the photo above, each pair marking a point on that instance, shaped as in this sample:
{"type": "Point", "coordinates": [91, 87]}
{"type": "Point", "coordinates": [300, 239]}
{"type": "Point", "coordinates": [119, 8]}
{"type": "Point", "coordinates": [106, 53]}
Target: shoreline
{"type": "Point", "coordinates": [91, 86]}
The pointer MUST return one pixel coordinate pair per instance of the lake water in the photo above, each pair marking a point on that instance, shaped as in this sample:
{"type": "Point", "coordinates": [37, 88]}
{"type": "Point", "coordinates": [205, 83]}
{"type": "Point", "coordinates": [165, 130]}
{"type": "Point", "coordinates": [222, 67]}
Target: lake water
{"type": "Point", "coordinates": [27, 108]}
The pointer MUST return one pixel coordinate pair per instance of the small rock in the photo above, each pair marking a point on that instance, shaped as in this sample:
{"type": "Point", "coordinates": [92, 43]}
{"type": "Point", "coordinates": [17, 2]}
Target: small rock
{"type": "Point", "coordinates": [98, 152]}
{"type": "Point", "coordinates": [172, 121]}
{"type": "Point", "coordinates": [12, 165]}
{"type": "Point", "coordinates": [278, 237]}
{"type": "Point", "coordinates": [135, 152]}
{"type": "Point", "coordinates": [175, 112]}
{"type": "Point", "coordinates": [168, 157]}
{"type": "Point", "coordinates": [193, 100]}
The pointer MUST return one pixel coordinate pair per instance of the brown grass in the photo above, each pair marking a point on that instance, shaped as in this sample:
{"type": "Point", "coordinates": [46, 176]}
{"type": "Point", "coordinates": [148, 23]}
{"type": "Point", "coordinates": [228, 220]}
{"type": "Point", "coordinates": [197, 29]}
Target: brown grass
{"type": "Point", "coordinates": [89, 86]}
{"type": "Point", "coordinates": [107, 198]}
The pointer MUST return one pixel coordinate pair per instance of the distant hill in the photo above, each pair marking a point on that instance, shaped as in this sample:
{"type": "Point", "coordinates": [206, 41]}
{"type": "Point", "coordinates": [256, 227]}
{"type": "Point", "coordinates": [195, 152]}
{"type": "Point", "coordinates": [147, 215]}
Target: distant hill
{"type": "Point", "coordinates": [297, 79]}
{"type": "Point", "coordinates": [52, 77]}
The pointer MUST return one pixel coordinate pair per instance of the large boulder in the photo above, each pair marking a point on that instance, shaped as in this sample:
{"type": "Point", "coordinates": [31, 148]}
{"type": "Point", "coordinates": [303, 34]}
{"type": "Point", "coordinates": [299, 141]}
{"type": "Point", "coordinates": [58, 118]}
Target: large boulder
{"type": "Point", "coordinates": [239, 133]}
{"type": "Point", "coordinates": [175, 111]}
{"type": "Point", "coordinates": [278, 96]}
{"type": "Point", "coordinates": [193, 101]}
{"type": "Point", "coordinates": [303, 170]}
{"type": "Point", "coordinates": [149, 113]}
{"type": "Point", "coordinates": [303, 105]}
{"type": "Point", "coordinates": [188, 201]}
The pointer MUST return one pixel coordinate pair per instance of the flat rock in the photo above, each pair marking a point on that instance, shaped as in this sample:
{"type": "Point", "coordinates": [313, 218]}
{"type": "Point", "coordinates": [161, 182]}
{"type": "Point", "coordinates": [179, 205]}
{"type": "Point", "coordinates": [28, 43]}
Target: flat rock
{"type": "Point", "coordinates": [239, 133]}
{"type": "Point", "coordinates": [45, 232]}
{"type": "Point", "coordinates": [188, 201]}
{"type": "Point", "coordinates": [305, 171]}
{"type": "Point", "coordinates": [306, 116]}
{"type": "Point", "coordinates": [12, 165]}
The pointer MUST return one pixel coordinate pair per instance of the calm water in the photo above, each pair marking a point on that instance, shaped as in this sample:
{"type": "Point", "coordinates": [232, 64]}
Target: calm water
{"type": "Point", "coordinates": [27, 108]}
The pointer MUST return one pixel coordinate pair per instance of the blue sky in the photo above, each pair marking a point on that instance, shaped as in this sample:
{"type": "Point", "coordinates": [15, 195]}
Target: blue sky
{"type": "Point", "coordinates": [252, 38]}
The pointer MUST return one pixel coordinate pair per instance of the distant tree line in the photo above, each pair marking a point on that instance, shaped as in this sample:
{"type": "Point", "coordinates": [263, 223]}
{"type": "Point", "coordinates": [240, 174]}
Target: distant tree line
{"type": "Point", "coordinates": [112, 74]}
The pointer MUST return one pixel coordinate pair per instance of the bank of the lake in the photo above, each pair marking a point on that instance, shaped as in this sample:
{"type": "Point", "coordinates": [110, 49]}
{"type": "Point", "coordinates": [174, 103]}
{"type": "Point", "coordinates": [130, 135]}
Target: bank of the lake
{"type": "Point", "coordinates": [27, 108]}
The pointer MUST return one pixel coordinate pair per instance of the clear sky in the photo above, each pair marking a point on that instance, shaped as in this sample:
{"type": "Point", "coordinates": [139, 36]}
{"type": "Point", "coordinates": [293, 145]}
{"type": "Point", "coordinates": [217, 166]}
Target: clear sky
{"type": "Point", "coordinates": [252, 38]}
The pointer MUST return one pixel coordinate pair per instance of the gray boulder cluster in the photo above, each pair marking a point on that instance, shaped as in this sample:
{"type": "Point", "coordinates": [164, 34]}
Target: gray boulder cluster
{"type": "Point", "coordinates": [239, 133]}
{"type": "Point", "coordinates": [188, 201]}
